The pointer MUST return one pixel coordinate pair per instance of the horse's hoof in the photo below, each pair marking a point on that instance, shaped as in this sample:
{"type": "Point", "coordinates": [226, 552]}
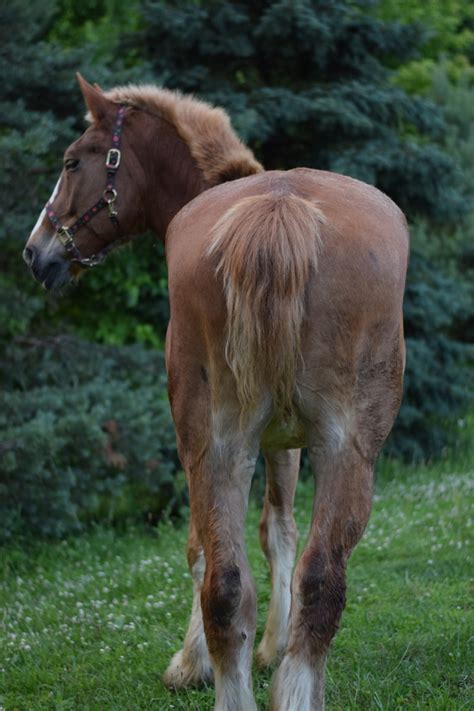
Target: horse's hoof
{"type": "Point", "coordinates": [183, 672]}
{"type": "Point", "coordinates": [266, 656]}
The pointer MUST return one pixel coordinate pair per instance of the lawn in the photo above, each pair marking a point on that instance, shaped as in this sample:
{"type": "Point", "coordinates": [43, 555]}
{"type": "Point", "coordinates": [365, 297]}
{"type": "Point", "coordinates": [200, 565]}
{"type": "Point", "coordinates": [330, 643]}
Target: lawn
{"type": "Point", "coordinates": [90, 623]}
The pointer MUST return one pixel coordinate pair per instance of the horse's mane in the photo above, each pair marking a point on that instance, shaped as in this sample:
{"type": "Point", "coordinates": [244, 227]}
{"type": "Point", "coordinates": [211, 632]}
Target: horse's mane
{"type": "Point", "coordinates": [206, 130]}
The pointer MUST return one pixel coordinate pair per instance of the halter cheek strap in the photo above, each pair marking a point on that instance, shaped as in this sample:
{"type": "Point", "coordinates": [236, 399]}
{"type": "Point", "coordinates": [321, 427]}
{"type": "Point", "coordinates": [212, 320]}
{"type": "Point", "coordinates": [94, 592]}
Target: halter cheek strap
{"type": "Point", "coordinates": [66, 234]}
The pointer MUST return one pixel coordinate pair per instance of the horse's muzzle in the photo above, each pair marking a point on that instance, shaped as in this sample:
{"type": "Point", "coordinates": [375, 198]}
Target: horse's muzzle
{"type": "Point", "coordinates": [51, 273]}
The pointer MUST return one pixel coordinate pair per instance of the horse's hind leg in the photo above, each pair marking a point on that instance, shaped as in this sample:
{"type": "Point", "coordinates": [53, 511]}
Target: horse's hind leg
{"type": "Point", "coordinates": [346, 428]}
{"type": "Point", "coordinates": [191, 665]}
{"type": "Point", "coordinates": [219, 489]}
{"type": "Point", "coordinates": [219, 458]}
{"type": "Point", "coordinates": [278, 537]}
{"type": "Point", "coordinates": [341, 511]}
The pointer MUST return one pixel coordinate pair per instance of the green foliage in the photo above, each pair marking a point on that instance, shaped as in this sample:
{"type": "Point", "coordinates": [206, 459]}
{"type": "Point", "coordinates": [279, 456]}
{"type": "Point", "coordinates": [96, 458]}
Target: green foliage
{"type": "Point", "coordinates": [98, 23]}
{"type": "Point", "coordinates": [439, 317]}
{"type": "Point", "coordinates": [437, 378]}
{"type": "Point", "coordinates": [86, 433]}
{"type": "Point", "coordinates": [457, 101]}
{"type": "Point", "coordinates": [126, 302]}
{"type": "Point", "coordinates": [59, 467]}
{"type": "Point", "coordinates": [450, 34]}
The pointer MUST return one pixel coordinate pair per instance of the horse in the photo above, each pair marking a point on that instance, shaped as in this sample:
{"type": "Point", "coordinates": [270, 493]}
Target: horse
{"type": "Point", "coordinates": [285, 331]}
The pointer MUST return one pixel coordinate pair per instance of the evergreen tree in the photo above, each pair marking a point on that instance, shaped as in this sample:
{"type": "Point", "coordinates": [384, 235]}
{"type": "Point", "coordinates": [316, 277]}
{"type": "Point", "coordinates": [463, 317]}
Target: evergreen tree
{"type": "Point", "coordinates": [439, 314]}
{"type": "Point", "coordinates": [31, 133]}
{"type": "Point", "coordinates": [307, 83]}
{"type": "Point", "coordinates": [57, 392]}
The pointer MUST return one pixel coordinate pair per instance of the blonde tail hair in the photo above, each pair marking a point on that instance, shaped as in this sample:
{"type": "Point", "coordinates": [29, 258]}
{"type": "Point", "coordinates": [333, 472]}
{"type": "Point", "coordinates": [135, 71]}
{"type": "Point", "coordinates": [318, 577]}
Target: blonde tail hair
{"type": "Point", "coordinates": [267, 247]}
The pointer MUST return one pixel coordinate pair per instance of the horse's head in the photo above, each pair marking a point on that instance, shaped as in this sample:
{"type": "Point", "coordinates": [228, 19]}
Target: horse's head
{"type": "Point", "coordinates": [97, 199]}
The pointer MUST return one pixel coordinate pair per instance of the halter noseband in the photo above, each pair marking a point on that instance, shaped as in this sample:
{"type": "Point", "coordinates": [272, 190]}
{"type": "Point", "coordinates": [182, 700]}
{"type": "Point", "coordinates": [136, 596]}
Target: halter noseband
{"type": "Point", "coordinates": [109, 196]}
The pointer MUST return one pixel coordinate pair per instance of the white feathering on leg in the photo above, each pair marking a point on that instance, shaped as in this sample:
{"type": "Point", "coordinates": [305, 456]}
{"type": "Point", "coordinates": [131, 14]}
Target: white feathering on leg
{"type": "Point", "coordinates": [299, 685]}
{"type": "Point", "coordinates": [191, 665]}
{"type": "Point", "coordinates": [282, 550]}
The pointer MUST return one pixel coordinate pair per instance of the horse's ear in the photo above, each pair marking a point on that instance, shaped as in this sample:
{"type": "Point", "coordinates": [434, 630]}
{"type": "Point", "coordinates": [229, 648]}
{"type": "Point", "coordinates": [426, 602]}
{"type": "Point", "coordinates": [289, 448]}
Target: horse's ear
{"type": "Point", "coordinates": [97, 104]}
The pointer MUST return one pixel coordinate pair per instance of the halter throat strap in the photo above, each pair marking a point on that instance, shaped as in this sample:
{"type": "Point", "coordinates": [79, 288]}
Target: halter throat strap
{"type": "Point", "coordinates": [66, 234]}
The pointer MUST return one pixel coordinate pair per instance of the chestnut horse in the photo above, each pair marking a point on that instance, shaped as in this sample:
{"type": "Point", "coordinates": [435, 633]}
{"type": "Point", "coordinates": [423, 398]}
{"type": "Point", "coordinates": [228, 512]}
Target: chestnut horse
{"type": "Point", "coordinates": [286, 331]}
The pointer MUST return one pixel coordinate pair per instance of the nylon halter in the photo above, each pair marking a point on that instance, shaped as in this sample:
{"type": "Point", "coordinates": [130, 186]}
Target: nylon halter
{"type": "Point", "coordinates": [66, 234]}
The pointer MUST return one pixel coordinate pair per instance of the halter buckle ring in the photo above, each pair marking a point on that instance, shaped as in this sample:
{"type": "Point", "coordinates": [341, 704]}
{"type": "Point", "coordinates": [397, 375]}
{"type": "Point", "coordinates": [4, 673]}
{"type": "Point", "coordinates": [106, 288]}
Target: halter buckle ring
{"type": "Point", "coordinates": [110, 196]}
{"type": "Point", "coordinates": [112, 161]}
{"type": "Point", "coordinates": [65, 237]}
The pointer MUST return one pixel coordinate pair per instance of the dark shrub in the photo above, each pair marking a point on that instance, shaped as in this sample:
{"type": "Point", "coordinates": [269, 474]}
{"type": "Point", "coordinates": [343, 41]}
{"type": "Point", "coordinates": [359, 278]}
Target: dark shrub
{"type": "Point", "coordinates": [85, 433]}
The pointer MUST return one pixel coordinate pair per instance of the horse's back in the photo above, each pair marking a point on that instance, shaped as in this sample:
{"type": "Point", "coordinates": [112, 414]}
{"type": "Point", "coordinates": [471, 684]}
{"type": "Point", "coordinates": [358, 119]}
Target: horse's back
{"type": "Point", "coordinates": [361, 222]}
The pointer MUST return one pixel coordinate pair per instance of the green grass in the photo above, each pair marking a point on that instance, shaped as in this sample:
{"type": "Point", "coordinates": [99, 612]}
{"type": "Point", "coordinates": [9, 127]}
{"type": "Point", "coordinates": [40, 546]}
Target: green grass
{"type": "Point", "coordinates": [91, 623]}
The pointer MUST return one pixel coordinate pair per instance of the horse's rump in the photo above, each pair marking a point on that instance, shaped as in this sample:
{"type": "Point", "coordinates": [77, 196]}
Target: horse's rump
{"type": "Point", "coordinates": [266, 248]}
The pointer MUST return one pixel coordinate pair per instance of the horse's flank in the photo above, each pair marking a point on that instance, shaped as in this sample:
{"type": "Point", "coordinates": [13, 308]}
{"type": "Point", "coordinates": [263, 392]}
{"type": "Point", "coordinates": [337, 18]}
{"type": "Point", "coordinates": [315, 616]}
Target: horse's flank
{"type": "Point", "coordinates": [269, 249]}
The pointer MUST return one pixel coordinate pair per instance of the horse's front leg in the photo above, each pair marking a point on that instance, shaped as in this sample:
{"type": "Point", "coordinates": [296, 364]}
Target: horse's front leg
{"type": "Point", "coordinates": [278, 537]}
{"type": "Point", "coordinates": [191, 666]}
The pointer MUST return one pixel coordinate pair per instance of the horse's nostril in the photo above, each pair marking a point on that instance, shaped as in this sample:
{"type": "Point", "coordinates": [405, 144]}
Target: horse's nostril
{"type": "Point", "coordinates": [29, 255]}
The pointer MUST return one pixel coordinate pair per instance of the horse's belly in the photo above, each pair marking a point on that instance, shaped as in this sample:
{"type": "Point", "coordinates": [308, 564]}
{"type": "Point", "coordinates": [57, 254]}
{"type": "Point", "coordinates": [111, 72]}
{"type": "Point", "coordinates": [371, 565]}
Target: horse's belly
{"type": "Point", "coordinates": [283, 434]}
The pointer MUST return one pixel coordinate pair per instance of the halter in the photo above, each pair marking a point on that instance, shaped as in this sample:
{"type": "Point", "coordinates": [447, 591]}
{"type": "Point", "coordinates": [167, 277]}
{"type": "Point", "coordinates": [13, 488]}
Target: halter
{"type": "Point", "coordinates": [109, 196]}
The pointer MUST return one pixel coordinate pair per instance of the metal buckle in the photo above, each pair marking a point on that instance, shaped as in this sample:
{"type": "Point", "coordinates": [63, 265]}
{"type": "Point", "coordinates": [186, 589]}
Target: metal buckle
{"type": "Point", "coordinates": [112, 161]}
{"type": "Point", "coordinates": [110, 195]}
{"type": "Point", "coordinates": [65, 237]}
{"type": "Point", "coordinates": [91, 261]}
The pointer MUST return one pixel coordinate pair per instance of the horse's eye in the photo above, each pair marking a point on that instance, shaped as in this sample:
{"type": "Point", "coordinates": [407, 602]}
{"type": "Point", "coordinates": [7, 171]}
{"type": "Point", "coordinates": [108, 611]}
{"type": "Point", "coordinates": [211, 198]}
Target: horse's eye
{"type": "Point", "coordinates": [71, 164]}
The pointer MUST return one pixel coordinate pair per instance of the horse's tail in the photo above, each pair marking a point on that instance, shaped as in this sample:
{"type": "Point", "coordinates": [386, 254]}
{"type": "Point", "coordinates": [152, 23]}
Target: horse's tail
{"type": "Point", "coordinates": [267, 247]}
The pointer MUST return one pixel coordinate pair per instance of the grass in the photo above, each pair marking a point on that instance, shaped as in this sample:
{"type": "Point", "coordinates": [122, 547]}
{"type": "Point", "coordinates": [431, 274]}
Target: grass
{"type": "Point", "coordinates": [90, 623]}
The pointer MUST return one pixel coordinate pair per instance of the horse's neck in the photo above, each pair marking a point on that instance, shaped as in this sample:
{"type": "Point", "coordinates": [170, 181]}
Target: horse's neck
{"type": "Point", "coordinates": [172, 176]}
